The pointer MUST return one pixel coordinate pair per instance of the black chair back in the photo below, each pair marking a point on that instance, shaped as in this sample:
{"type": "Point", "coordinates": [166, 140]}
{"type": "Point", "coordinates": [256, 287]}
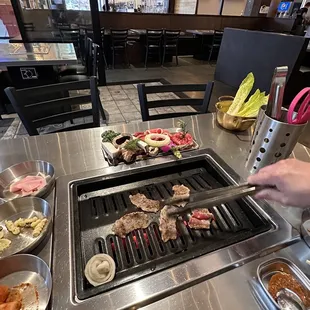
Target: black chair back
{"type": "Point", "coordinates": [216, 44]}
{"type": "Point", "coordinates": [90, 33]}
{"type": "Point", "coordinates": [200, 105]}
{"type": "Point", "coordinates": [153, 43]}
{"type": "Point", "coordinates": [102, 31]}
{"type": "Point", "coordinates": [29, 26]}
{"type": "Point", "coordinates": [217, 37]}
{"type": "Point", "coordinates": [71, 36]}
{"type": "Point", "coordinates": [154, 37]}
{"type": "Point", "coordinates": [95, 58]}
{"type": "Point", "coordinates": [119, 38]}
{"type": "Point", "coordinates": [171, 37]}
{"type": "Point", "coordinates": [83, 45]}
{"type": "Point", "coordinates": [282, 50]}
{"type": "Point", "coordinates": [63, 26]}
{"type": "Point", "coordinates": [171, 40]}
{"type": "Point", "coordinates": [31, 104]}
{"type": "Point", "coordinates": [88, 55]}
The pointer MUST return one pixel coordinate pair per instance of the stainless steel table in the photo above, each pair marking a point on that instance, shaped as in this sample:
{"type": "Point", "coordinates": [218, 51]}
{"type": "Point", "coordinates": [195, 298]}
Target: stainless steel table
{"type": "Point", "coordinates": [80, 152]}
{"type": "Point", "coordinates": [36, 54]}
{"type": "Point", "coordinates": [31, 64]}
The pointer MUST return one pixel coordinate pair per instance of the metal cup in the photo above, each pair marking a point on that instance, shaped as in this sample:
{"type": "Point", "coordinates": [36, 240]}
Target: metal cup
{"type": "Point", "coordinates": [272, 140]}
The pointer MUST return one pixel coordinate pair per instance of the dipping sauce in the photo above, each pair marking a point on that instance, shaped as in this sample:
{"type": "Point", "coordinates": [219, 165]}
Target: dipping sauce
{"type": "Point", "coordinates": [282, 280]}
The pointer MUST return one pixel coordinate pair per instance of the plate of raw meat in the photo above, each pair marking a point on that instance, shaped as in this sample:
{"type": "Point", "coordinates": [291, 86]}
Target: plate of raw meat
{"type": "Point", "coordinates": [29, 178]}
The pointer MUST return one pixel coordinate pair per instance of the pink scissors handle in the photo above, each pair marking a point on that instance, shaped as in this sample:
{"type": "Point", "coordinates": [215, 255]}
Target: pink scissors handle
{"type": "Point", "coordinates": [303, 113]}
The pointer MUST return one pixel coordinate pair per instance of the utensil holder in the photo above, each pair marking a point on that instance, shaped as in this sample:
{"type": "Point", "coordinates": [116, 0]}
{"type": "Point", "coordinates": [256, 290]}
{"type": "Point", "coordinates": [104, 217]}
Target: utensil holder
{"type": "Point", "coordinates": [272, 140]}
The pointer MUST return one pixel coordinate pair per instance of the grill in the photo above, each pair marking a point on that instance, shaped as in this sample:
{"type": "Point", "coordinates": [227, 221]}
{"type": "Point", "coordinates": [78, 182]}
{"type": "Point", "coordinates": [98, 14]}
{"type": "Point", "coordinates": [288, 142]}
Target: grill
{"type": "Point", "coordinates": [98, 203]}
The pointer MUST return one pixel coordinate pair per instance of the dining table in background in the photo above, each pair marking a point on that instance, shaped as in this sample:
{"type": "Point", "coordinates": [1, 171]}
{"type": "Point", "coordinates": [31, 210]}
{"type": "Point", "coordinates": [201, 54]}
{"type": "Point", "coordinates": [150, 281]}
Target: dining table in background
{"type": "Point", "coordinates": [33, 64]}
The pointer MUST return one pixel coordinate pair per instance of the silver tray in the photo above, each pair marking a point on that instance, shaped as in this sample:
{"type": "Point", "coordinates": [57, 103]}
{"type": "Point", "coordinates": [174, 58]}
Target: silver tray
{"type": "Point", "coordinates": [267, 269]}
{"type": "Point", "coordinates": [21, 170]}
{"type": "Point", "coordinates": [115, 162]}
{"type": "Point", "coordinates": [25, 268]}
{"type": "Point", "coordinates": [24, 208]}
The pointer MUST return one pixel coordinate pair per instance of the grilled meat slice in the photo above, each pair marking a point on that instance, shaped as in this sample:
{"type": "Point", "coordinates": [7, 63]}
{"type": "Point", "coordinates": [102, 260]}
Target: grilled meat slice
{"type": "Point", "coordinates": [182, 192]}
{"type": "Point", "coordinates": [203, 214]}
{"type": "Point", "coordinates": [148, 205]}
{"type": "Point", "coordinates": [167, 225]}
{"type": "Point", "coordinates": [130, 222]}
{"type": "Point", "coordinates": [200, 219]}
{"type": "Point", "coordinates": [198, 224]}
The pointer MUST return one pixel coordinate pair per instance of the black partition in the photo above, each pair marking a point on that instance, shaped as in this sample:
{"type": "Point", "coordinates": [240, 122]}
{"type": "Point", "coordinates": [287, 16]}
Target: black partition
{"type": "Point", "coordinates": [244, 51]}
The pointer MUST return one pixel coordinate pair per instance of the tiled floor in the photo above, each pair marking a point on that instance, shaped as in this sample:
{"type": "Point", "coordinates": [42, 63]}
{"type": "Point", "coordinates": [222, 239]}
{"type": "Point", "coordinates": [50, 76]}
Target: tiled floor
{"type": "Point", "coordinates": [122, 104]}
{"type": "Point", "coordinates": [189, 71]}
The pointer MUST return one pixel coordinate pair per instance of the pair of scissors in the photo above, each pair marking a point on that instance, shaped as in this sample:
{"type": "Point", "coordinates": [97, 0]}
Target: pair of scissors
{"type": "Point", "coordinates": [303, 114]}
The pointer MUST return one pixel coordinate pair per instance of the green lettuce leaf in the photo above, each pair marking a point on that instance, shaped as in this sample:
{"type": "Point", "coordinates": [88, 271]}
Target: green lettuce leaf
{"type": "Point", "coordinates": [252, 106]}
{"type": "Point", "coordinates": [241, 95]}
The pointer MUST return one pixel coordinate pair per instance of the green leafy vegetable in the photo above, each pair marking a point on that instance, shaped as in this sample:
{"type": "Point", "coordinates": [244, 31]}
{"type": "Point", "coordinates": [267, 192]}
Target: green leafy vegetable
{"type": "Point", "coordinates": [183, 127]}
{"type": "Point", "coordinates": [241, 95]}
{"type": "Point", "coordinates": [252, 106]}
{"type": "Point", "coordinates": [109, 135]}
{"type": "Point", "coordinates": [132, 145]}
{"type": "Point", "coordinates": [176, 152]}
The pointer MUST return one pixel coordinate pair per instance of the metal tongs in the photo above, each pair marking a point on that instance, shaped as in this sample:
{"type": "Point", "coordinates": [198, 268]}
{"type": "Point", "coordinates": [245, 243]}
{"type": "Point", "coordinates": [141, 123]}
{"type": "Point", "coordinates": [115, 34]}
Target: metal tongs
{"type": "Point", "coordinates": [275, 101]}
{"type": "Point", "coordinates": [213, 197]}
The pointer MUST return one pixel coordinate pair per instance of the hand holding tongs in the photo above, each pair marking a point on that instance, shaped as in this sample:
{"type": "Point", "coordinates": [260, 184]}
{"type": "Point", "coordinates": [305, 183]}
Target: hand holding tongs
{"type": "Point", "coordinates": [213, 197]}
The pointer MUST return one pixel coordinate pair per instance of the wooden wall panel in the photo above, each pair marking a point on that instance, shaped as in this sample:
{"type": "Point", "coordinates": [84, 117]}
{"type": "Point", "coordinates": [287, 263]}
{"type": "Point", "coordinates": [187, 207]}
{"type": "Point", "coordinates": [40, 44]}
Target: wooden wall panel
{"type": "Point", "coordinates": [251, 23]}
{"type": "Point", "coordinates": [183, 21]}
{"type": "Point", "coordinates": [173, 21]}
{"type": "Point", "coordinates": [135, 21]}
{"type": "Point", "coordinates": [205, 22]}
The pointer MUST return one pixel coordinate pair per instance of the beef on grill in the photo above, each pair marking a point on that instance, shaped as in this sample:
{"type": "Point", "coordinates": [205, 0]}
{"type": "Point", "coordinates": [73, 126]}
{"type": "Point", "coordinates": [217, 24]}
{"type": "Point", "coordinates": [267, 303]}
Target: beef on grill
{"type": "Point", "coordinates": [200, 219]}
{"type": "Point", "coordinates": [148, 205]}
{"type": "Point", "coordinates": [130, 222]}
{"type": "Point", "coordinates": [182, 192]}
{"type": "Point", "coordinates": [167, 225]}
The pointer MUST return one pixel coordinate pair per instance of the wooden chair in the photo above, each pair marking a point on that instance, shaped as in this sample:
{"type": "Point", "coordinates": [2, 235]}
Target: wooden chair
{"type": "Point", "coordinates": [200, 105]}
{"type": "Point", "coordinates": [35, 111]}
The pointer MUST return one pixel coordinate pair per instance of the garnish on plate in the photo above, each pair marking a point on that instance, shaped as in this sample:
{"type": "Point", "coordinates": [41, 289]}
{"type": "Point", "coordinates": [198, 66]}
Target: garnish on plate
{"type": "Point", "coordinates": [109, 135]}
{"type": "Point", "coordinates": [183, 127]}
{"type": "Point", "coordinates": [182, 138]}
{"type": "Point", "coordinates": [132, 145]}
{"type": "Point", "coordinates": [129, 147]}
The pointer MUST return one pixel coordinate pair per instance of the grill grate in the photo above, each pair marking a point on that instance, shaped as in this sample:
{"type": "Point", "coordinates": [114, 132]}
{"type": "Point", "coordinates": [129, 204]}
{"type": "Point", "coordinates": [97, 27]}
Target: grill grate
{"type": "Point", "coordinates": [143, 252]}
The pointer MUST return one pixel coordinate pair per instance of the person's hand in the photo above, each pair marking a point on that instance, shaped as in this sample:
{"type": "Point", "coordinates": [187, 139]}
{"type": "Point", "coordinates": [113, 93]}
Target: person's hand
{"type": "Point", "coordinates": [291, 178]}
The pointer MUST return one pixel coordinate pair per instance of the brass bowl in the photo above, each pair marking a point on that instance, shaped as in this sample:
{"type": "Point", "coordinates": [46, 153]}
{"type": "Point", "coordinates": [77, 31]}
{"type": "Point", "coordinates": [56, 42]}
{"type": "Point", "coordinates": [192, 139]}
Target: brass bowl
{"type": "Point", "coordinates": [234, 123]}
